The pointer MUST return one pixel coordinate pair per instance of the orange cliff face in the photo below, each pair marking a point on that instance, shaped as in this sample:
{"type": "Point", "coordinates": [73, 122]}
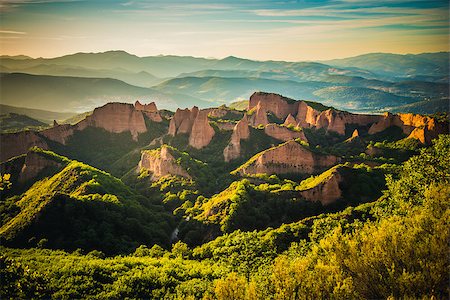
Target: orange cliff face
{"type": "Point", "coordinates": [113, 117]}
{"type": "Point", "coordinates": [150, 110]}
{"type": "Point", "coordinates": [160, 163]}
{"type": "Point", "coordinates": [283, 133]}
{"type": "Point", "coordinates": [422, 128]}
{"type": "Point", "coordinates": [194, 122]}
{"type": "Point", "coordinates": [280, 106]}
{"type": "Point", "coordinates": [305, 116]}
{"type": "Point", "coordinates": [325, 192]}
{"type": "Point", "coordinates": [241, 131]}
{"type": "Point", "coordinates": [202, 133]}
{"type": "Point", "coordinates": [290, 157]}
{"type": "Point", "coordinates": [116, 118]}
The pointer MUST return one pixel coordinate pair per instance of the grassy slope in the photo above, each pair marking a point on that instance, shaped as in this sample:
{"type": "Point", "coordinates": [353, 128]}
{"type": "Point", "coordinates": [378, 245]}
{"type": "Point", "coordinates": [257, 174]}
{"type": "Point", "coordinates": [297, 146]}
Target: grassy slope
{"type": "Point", "coordinates": [66, 202]}
{"type": "Point", "coordinates": [12, 122]}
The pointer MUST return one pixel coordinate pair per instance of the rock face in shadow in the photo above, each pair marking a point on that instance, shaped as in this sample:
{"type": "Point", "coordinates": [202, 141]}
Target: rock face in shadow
{"type": "Point", "coordinates": [241, 131]}
{"type": "Point", "coordinates": [326, 192]}
{"type": "Point", "coordinates": [195, 123]}
{"type": "Point", "coordinates": [290, 157]}
{"type": "Point", "coordinates": [14, 144]}
{"type": "Point", "coordinates": [35, 164]}
{"type": "Point", "coordinates": [283, 133]}
{"type": "Point", "coordinates": [422, 128]}
{"type": "Point", "coordinates": [59, 133]}
{"type": "Point", "coordinates": [290, 120]}
{"type": "Point", "coordinates": [182, 121]}
{"type": "Point", "coordinates": [160, 163]}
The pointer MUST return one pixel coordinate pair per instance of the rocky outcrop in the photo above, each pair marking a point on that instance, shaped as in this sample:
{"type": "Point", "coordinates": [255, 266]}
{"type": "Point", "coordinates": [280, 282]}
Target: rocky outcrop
{"type": "Point", "coordinates": [202, 133]}
{"type": "Point", "coordinates": [160, 163]}
{"type": "Point", "coordinates": [116, 118]}
{"type": "Point", "coordinates": [258, 116]}
{"type": "Point", "coordinates": [241, 131]}
{"type": "Point", "coordinates": [194, 122]}
{"type": "Point", "coordinates": [14, 144]}
{"type": "Point", "coordinates": [327, 191]}
{"type": "Point", "coordinates": [305, 116]}
{"type": "Point", "coordinates": [415, 126]}
{"type": "Point", "coordinates": [59, 133]}
{"type": "Point", "coordinates": [290, 157]}
{"type": "Point", "coordinates": [151, 107]}
{"type": "Point", "coordinates": [290, 121]}
{"type": "Point", "coordinates": [34, 164]}
{"type": "Point", "coordinates": [336, 121]}
{"type": "Point", "coordinates": [280, 106]}
{"type": "Point", "coordinates": [283, 133]}
{"type": "Point", "coordinates": [150, 110]}
{"type": "Point", "coordinates": [222, 112]}
{"type": "Point", "coordinates": [182, 121]}
{"type": "Point", "coordinates": [226, 125]}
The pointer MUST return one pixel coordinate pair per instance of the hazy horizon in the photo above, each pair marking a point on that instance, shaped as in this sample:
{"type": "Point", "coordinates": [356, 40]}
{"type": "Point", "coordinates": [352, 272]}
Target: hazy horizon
{"type": "Point", "coordinates": [209, 57]}
{"type": "Point", "coordinates": [269, 30]}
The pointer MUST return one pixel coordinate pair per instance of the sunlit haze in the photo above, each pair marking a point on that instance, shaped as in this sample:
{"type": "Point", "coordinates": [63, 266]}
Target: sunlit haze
{"type": "Point", "coordinates": [278, 30]}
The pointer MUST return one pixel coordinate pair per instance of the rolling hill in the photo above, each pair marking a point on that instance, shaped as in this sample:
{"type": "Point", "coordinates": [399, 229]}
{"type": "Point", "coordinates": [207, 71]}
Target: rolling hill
{"type": "Point", "coordinates": [44, 116]}
{"type": "Point", "coordinates": [78, 94]}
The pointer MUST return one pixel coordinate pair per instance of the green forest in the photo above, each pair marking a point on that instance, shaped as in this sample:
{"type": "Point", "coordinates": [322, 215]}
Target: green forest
{"type": "Point", "coordinates": [395, 246]}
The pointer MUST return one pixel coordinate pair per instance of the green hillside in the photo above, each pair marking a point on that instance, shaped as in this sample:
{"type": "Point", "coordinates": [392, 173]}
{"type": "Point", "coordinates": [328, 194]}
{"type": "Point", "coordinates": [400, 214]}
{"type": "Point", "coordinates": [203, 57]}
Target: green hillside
{"type": "Point", "coordinates": [79, 94]}
{"type": "Point", "coordinates": [357, 98]}
{"type": "Point", "coordinates": [401, 238]}
{"type": "Point", "coordinates": [83, 207]}
{"type": "Point", "coordinates": [397, 65]}
{"type": "Point", "coordinates": [44, 116]}
{"type": "Point", "coordinates": [12, 122]}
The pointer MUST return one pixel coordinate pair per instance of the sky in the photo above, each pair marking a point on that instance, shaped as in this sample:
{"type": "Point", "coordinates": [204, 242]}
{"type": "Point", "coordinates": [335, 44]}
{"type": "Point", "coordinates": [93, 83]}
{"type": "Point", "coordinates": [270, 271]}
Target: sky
{"type": "Point", "coordinates": [262, 30]}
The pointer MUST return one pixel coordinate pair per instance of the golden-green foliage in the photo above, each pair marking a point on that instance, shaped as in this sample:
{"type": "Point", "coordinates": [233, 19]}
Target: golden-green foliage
{"type": "Point", "coordinates": [395, 247]}
{"type": "Point", "coordinates": [81, 206]}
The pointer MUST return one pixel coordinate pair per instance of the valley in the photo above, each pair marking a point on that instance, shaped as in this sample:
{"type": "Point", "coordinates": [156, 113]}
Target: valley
{"type": "Point", "coordinates": [212, 201]}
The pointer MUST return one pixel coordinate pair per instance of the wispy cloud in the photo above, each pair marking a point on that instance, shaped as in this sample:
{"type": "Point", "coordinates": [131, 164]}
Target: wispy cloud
{"type": "Point", "coordinates": [11, 5]}
{"type": "Point", "coordinates": [12, 32]}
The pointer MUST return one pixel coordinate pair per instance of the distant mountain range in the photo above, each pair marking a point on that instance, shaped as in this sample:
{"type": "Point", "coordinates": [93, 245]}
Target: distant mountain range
{"type": "Point", "coordinates": [79, 82]}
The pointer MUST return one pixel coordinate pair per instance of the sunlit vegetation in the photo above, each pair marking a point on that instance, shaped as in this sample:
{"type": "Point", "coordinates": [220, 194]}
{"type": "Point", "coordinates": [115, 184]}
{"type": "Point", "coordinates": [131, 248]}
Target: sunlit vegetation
{"type": "Point", "coordinates": [82, 207]}
{"type": "Point", "coordinates": [395, 247]}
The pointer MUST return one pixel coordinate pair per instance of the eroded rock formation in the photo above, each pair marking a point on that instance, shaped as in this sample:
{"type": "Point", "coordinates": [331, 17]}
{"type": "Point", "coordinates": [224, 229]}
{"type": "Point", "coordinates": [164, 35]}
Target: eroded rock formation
{"type": "Point", "coordinates": [280, 106]}
{"type": "Point", "coordinates": [194, 122]}
{"type": "Point", "coordinates": [305, 116]}
{"type": "Point", "coordinates": [59, 133]}
{"type": "Point", "coordinates": [241, 131]}
{"type": "Point", "coordinates": [326, 192]}
{"type": "Point", "coordinates": [420, 127]}
{"type": "Point", "coordinates": [182, 121]}
{"type": "Point", "coordinates": [14, 144]}
{"type": "Point", "coordinates": [116, 118]}
{"type": "Point", "coordinates": [283, 133]}
{"type": "Point", "coordinates": [290, 157]}
{"type": "Point", "coordinates": [34, 164]}
{"type": "Point", "coordinates": [160, 163]}
{"type": "Point", "coordinates": [202, 133]}
{"type": "Point", "coordinates": [290, 120]}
